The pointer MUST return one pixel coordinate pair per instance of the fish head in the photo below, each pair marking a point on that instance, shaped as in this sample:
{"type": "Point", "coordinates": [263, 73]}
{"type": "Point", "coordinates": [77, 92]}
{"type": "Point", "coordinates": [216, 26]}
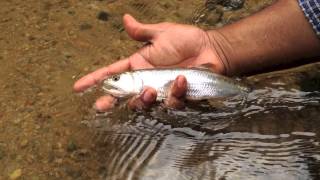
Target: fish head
{"type": "Point", "coordinates": [121, 85]}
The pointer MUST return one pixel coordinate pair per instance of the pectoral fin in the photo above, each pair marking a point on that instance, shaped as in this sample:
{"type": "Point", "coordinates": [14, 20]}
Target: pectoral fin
{"type": "Point", "coordinates": [164, 91]}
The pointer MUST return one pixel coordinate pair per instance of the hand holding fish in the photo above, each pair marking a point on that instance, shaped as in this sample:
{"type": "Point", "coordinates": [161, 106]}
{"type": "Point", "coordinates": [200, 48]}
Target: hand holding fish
{"type": "Point", "coordinates": [258, 43]}
{"type": "Point", "coordinates": [169, 45]}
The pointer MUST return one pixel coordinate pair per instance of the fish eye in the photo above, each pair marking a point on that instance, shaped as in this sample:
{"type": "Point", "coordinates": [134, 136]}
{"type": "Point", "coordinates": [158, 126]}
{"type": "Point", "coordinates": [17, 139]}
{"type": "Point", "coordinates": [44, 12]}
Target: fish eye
{"type": "Point", "coordinates": [116, 78]}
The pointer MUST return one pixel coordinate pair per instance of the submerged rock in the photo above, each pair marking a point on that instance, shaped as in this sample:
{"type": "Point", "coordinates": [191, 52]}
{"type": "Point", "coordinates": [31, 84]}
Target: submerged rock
{"type": "Point", "coordinates": [72, 146]}
{"type": "Point", "coordinates": [24, 143]}
{"type": "Point", "coordinates": [103, 16]}
{"type": "Point", "coordinates": [2, 153]}
{"type": "Point", "coordinates": [232, 4]}
{"type": "Point", "coordinates": [85, 26]}
{"type": "Point", "coordinates": [15, 174]}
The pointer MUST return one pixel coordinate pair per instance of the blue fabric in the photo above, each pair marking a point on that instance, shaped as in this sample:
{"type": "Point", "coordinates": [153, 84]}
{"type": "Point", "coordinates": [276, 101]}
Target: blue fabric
{"type": "Point", "coordinates": [311, 9]}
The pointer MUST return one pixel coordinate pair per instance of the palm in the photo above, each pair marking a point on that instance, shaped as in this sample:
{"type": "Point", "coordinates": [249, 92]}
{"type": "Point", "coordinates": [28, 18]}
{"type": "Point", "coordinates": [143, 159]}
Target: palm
{"type": "Point", "coordinates": [174, 46]}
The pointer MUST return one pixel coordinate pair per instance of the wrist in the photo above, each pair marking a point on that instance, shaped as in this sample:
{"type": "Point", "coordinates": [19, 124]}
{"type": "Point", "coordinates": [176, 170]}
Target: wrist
{"type": "Point", "coordinates": [275, 37]}
{"type": "Point", "coordinates": [223, 50]}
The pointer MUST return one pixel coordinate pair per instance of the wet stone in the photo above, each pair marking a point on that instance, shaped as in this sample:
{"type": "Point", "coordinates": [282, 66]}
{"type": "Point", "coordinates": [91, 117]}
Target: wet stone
{"type": "Point", "coordinates": [233, 4]}
{"type": "Point", "coordinates": [30, 37]}
{"type": "Point", "coordinates": [85, 26]}
{"type": "Point", "coordinates": [67, 54]}
{"type": "Point", "coordinates": [103, 16]}
{"type": "Point", "coordinates": [71, 12]}
{"type": "Point", "coordinates": [213, 18]}
{"type": "Point", "coordinates": [108, 1]}
{"type": "Point", "coordinates": [24, 143]}
{"type": "Point", "coordinates": [30, 158]}
{"type": "Point", "coordinates": [165, 5]}
{"type": "Point", "coordinates": [43, 117]}
{"type": "Point", "coordinates": [230, 4]}
{"type": "Point", "coordinates": [17, 121]}
{"type": "Point", "coordinates": [59, 161]}
{"type": "Point", "coordinates": [103, 171]}
{"type": "Point", "coordinates": [80, 155]}
{"type": "Point", "coordinates": [2, 153]}
{"type": "Point", "coordinates": [15, 174]}
{"type": "Point", "coordinates": [72, 146]}
{"type": "Point", "coordinates": [35, 178]}
{"type": "Point", "coordinates": [72, 172]}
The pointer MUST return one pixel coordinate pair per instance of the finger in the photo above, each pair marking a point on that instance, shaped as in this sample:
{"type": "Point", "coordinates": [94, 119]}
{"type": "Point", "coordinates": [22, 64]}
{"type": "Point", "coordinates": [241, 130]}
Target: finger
{"type": "Point", "coordinates": [97, 76]}
{"type": "Point", "coordinates": [179, 87]}
{"type": "Point", "coordinates": [105, 103]}
{"type": "Point", "coordinates": [143, 101]}
{"type": "Point", "coordinates": [177, 93]}
{"type": "Point", "coordinates": [139, 31]}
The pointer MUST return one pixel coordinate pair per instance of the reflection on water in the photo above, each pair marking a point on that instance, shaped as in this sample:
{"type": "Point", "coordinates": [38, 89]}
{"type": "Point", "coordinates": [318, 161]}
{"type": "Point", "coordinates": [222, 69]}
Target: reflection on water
{"type": "Point", "coordinates": [273, 135]}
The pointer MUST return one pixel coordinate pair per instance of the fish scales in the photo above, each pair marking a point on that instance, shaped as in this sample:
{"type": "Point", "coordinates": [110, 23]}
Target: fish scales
{"type": "Point", "coordinates": [202, 84]}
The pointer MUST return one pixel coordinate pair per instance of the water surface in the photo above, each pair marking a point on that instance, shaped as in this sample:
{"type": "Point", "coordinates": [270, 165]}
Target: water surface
{"type": "Point", "coordinates": [273, 135]}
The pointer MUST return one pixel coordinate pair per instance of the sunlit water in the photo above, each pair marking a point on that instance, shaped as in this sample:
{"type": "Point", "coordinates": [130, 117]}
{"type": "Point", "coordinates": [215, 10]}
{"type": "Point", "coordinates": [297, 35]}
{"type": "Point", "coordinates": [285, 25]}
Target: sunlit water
{"type": "Point", "coordinates": [272, 135]}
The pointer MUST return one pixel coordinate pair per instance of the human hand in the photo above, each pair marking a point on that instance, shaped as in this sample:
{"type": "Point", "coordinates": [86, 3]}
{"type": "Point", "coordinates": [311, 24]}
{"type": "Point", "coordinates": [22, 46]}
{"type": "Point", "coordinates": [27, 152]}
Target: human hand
{"type": "Point", "coordinates": [169, 45]}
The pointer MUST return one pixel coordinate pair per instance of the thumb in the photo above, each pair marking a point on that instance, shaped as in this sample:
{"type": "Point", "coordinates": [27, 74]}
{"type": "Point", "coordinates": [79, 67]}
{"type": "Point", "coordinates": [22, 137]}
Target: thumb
{"type": "Point", "coordinates": [139, 31]}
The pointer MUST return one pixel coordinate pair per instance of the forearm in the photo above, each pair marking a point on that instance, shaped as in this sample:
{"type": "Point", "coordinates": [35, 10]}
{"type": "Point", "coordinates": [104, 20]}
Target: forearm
{"type": "Point", "coordinates": [277, 35]}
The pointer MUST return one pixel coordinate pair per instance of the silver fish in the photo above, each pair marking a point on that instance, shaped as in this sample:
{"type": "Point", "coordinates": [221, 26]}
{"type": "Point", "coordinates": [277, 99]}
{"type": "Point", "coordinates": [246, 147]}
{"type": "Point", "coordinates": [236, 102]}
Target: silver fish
{"type": "Point", "coordinates": [202, 84]}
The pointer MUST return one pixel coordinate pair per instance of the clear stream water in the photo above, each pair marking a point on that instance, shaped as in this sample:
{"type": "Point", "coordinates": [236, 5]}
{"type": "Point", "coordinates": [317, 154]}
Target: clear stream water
{"type": "Point", "coordinates": [49, 132]}
{"type": "Point", "coordinates": [273, 135]}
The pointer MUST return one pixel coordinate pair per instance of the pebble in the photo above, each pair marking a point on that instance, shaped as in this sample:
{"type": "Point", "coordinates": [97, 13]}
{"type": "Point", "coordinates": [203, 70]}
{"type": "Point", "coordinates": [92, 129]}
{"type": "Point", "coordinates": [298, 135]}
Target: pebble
{"type": "Point", "coordinates": [72, 146]}
{"type": "Point", "coordinates": [2, 153]}
{"type": "Point", "coordinates": [59, 161]}
{"type": "Point", "coordinates": [35, 178]}
{"type": "Point", "coordinates": [29, 37]}
{"type": "Point", "coordinates": [85, 26]}
{"type": "Point", "coordinates": [15, 174]}
{"type": "Point", "coordinates": [213, 18]}
{"type": "Point", "coordinates": [103, 16]}
{"type": "Point", "coordinates": [233, 4]}
{"type": "Point", "coordinates": [67, 55]}
{"type": "Point", "coordinates": [24, 143]}
{"type": "Point", "coordinates": [72, 172]}
{"type": "Point", "coordinates": [237, 4]}
{"type": "Point", "coordinates": [80, 155]}
{"type": "Point", "coordinates": [17, 121]}
{"type": "Point", "coordinates": [166, 5]}
{"type": "Point", "coordinates": [71, 12]}
{"type": "Point", "coordinates": [59, 145]}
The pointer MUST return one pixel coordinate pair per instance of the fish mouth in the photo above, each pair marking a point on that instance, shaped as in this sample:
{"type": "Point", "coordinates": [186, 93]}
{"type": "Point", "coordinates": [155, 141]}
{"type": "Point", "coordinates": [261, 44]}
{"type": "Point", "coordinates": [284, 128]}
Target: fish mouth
{"type": "Point", "coordinates": [113, 90]}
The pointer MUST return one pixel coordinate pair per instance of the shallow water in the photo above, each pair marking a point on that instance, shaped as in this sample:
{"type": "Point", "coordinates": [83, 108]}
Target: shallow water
{"type": "Point", "coordinates": [48, 132]}
{"type": "Point", "coordinates": [272, 135]}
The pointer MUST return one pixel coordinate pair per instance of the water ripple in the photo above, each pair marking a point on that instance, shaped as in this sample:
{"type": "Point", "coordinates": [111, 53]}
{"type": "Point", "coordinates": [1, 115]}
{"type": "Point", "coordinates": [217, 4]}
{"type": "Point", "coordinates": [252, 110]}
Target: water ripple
{"type": "Point", "coordinates": [250, 141]}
